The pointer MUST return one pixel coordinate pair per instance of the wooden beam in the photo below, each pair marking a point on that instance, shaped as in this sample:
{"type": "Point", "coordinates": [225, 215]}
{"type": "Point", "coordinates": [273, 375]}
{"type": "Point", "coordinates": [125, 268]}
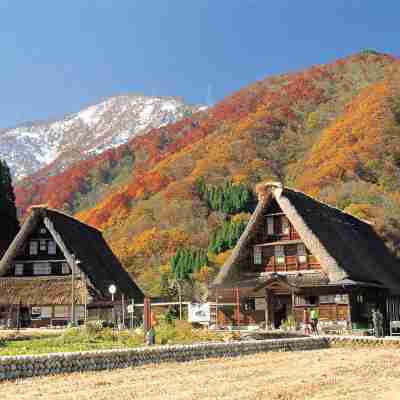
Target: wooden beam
{"type": "Point", "coordinates": [237, 295]}
{"type": "Point", "coordinates": [267, 295]}
{"type": "Point", "coordinates": [147, 314]}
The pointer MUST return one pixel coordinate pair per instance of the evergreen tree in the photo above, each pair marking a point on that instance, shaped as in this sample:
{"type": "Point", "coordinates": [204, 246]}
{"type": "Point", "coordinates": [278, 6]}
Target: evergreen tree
{"type": "Point", "coordinates": [186, 261]}
{"type": "Point", "coordinates": [228, 198]}
{"type": "Point", "coordinates": [8, 210]}
{"type": "Point", "coordinates": [226, 236]}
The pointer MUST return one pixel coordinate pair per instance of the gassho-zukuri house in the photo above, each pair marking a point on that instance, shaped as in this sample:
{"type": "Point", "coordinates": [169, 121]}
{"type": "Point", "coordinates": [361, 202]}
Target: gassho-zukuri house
{"type": "Point", "coordinates": [297, 253]}
{"type": "Point", "coordinates": [53, 259]}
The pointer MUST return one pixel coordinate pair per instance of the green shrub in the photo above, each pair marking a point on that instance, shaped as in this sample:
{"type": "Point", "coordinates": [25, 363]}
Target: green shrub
{"type": "Point", "coordinates": [288, 324]}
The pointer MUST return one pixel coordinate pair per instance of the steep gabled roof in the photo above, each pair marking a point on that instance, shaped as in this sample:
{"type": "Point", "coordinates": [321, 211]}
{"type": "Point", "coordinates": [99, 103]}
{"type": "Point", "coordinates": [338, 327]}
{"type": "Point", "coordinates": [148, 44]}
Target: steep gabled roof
{"type": "Point", "coordinates": [86, 243]}
{"type": "Point", "coordinates": [345, 246]}
{"type": "Point", "coordinates": [41, 291]}
{"type": "Point", "coordinates": [9, 228]}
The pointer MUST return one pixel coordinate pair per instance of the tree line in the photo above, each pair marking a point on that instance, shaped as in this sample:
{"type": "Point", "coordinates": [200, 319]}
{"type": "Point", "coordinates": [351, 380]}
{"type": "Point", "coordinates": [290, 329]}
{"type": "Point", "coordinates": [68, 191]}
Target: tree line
{"type": "Point", "coordinates": [229, 198]}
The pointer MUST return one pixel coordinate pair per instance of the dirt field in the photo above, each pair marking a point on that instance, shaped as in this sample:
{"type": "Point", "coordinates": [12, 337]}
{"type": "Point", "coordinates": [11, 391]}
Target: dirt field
{"type": "Point", "coordinates": [341, 373]}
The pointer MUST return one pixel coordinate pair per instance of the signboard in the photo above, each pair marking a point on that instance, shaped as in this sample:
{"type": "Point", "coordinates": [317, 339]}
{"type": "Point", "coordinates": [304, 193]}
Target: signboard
{"type": "Point", "coordinates": [36, 313]}
{"type": "Point", "coordinates": [199, 312]}
{"type": "Point", "coordinates": [260, 303]}
{"type": "Point", "coordinates": [130, 308]}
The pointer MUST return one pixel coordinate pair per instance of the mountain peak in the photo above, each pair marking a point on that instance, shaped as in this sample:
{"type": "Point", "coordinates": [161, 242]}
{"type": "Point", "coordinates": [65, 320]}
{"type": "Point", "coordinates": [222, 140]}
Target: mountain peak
{"type": "Point", "coordinates": [97, 127]}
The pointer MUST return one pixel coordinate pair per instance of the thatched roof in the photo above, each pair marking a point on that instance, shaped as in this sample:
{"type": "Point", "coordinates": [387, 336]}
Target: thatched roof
{"type": "Point", "coordinates": [86, 243]}
{"type": "Point", "coordinates": [346, 247]}
{"type": "Point", "coordinates": [8, 230]}
{"type": "Point", "coordinates": [41, 291]}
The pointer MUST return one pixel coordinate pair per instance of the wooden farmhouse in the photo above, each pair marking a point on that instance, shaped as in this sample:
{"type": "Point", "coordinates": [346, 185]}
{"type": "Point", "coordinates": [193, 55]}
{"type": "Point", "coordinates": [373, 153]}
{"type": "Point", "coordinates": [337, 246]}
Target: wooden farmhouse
{"type": "Point", "coordinates": [298, 253]}
{"type": "Point", "coordinates": [57, 266]}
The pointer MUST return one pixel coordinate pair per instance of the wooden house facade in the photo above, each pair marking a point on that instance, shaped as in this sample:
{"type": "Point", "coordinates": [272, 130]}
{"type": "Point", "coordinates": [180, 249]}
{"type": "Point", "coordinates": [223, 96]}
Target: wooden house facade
{"type": "Point", "coordinates": [298, 253]}
{"type": "Point", "coordinates": [57, 266]}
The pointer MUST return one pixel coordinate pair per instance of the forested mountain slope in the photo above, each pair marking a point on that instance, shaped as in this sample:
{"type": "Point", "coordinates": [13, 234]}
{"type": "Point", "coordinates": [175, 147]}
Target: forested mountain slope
{"type": "Point", "coordinates": [331, 130]}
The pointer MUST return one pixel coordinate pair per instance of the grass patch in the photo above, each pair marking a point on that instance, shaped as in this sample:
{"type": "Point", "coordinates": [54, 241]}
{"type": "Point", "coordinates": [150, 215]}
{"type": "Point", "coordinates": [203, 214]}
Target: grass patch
{"type": "Point", "coordinates": [93, 338]}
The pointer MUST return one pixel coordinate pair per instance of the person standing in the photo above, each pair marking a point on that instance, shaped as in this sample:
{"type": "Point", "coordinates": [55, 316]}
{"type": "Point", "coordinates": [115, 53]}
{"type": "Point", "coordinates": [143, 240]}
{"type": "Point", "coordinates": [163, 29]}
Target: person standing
{"type": "Point", "coordinates": [314, 316]}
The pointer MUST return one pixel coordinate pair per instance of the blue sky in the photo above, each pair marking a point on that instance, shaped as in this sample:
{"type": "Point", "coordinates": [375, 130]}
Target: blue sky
{"type": "Point", "coordinates": [57, 56]}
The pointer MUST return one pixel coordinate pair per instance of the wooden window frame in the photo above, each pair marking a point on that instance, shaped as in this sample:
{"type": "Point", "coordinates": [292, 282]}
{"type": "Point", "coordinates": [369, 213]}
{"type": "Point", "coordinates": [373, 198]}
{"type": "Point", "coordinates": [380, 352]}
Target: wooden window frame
{"type": "Point", "coordinates": [65, 268]}
{"type": "Point", "coordinates": [279, 253]}
{"type": "Point", "coordinates": [270, 225]}
{"type": "Point", "coordinates": [43, 245]}
{"type": "Point", "coordinates": [33, 248]}
{"type": "Point", "coordinates": [65, 314]}
{"type": "Point", "coordinates": [41, 268]}
{"type": "Point", "coordinates": [257, 255]}
{"type": "Point", "coordinates": [302, 253]}
{"type": "Point", "coordinates": [52, 247]}
{"type": "Point", "coordinates": [20, 268]}
{"type": "Point", "coordinates": [285, 226]}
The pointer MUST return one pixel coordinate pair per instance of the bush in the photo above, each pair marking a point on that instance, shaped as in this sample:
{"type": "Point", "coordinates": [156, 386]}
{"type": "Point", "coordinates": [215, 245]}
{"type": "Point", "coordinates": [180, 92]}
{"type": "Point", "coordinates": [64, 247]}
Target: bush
{"type": "Point", "coordinates": [94, 327]}
{"type": "Point", "coordinates": [288, 324]}
{"type": "Point", "coordinates": [183, 332]}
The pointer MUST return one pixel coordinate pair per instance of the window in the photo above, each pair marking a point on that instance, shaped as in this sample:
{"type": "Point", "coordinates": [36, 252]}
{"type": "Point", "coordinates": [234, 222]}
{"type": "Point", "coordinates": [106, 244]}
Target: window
{"type": "Point", "coordinates": [257, 255]}
{"type": "Point", "coordinates": [51, 247]}
{"type": "Point", "coordinates": [279, 255]}
{"type": "Point", "coordinates": [41, 268]}
{"type": "Point", "coordinates": [65, 269]}
{"type": "Point", "coordinates": [80, 312]}
{"type": "Point", "coordinates": [306, 300]}
{"type": "Point", "coordinates": [301, 253]}
{"type": "Point", "coordinates": [19, 269]}
{"type": "Point", "coordinates": [33, 248]}
{"type": "Point", "coordinates": [61, 312]}
{"type": "Point", "coordinates": [270, 225]}
{"type": "Point", "coordinates": [42, 245]}
{"type": "Point", "coordinates": [285, 226]}
{"type": "Point", "coordinates": [342, 299]}
{"type": "Point", "coordinates": [328, 299]}
{"type": "Point", "coordinates": [46, 312]}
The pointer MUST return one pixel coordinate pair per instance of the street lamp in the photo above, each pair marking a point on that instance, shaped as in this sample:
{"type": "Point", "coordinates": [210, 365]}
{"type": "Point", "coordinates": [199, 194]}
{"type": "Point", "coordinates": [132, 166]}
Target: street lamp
{"type": "Point", "coordinates": [112, 289]}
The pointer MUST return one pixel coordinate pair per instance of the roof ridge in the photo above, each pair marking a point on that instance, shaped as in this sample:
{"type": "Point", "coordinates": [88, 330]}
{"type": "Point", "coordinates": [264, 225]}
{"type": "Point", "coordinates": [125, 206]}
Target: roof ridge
{"type": "Point", "coordinates": [46, 208]}
{"type": "Point", "coordinates": [328, 205]}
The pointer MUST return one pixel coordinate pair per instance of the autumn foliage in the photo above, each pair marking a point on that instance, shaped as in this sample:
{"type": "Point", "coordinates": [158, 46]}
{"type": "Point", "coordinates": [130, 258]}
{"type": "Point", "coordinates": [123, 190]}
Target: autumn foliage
{"type": "Point", "coordinates": [331, 130]}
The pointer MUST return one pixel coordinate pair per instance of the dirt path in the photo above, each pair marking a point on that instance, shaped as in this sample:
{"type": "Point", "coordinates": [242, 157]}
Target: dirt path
{"type": "Point", "coordinates": [361, 374]}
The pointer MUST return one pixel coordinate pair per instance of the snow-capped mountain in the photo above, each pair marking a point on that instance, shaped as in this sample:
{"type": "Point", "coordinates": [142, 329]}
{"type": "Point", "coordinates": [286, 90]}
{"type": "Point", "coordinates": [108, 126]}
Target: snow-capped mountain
{"type": "Point", "coordinates": [28, 148]}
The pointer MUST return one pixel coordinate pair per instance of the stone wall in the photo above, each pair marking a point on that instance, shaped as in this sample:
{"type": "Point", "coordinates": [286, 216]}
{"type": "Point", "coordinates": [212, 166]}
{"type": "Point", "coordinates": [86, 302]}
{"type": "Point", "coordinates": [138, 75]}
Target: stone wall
{"type": "Point", "coordinates": [14, 367]}
{"type": "Point", "coordinates": [335, 340]}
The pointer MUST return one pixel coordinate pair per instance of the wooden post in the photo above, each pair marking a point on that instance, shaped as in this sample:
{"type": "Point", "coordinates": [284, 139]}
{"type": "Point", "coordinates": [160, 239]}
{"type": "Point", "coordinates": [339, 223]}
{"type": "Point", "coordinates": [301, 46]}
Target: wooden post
{"type": "Point", "coordinates": [266, 309]}
{"type": "Point", "coordinates": [123, 311]}
{"type": "Point", "coordinates": [86, 299]}
{"type": "Point", "coordinates": [293, 312]}
{"type": "Point", "coordinates": [19, 315]}
{"type": "Point", "coordinates": [349, 311]}
{"type": "Point", "coordinates": [180, 299]}
{"type": "Point", "coordinates": [216, 308]}
{"type": "Point", "coordinates": [237, 307]}
{"type": "Point", "coordinates": [73, 289]}
{"type": "Point", "coordinates": [146, 314]}
{"type": "Point", "coordinates": [133, 311]}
